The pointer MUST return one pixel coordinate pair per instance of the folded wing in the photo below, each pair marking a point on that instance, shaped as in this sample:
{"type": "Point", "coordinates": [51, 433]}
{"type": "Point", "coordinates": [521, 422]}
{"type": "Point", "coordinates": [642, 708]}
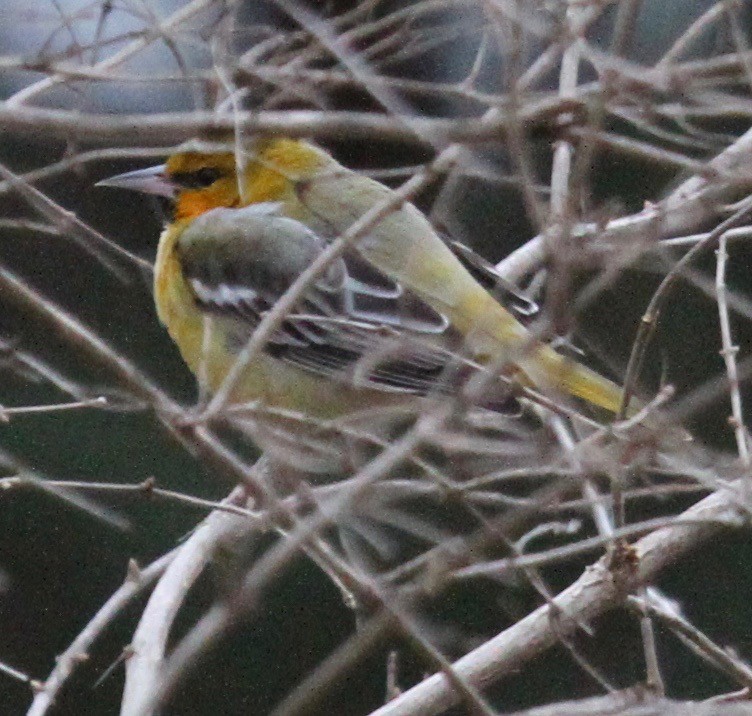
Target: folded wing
{"type": "Point", "coordinates": [354, 323]}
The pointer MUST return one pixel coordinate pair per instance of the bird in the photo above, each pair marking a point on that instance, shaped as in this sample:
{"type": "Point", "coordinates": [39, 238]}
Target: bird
{"type": "Point", "coordinates": [396, 318]}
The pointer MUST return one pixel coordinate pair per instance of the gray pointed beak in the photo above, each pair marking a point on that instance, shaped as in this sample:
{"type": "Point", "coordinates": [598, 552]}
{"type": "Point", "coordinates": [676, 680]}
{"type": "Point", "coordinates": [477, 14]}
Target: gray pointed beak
{"type": "Point", "coordinates": [152, 180]}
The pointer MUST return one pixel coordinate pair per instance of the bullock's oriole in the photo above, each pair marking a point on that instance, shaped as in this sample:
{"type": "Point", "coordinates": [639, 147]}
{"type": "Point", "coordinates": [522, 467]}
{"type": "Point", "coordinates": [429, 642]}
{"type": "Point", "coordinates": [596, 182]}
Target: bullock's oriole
{"type": "Point", "coordinates": [381, 325]}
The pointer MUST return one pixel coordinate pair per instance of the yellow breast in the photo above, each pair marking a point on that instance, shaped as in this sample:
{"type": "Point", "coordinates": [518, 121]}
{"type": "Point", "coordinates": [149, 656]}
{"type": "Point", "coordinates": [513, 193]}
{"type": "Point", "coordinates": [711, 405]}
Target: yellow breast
{"type": "Point", "coordinates": [210, 358]}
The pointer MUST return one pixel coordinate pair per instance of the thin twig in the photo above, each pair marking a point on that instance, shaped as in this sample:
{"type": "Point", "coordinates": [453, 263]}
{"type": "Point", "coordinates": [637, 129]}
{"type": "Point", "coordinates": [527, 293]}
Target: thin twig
{"type": "Point", "coordinates": [652, 314]}
{"type": "Point", "coordinates": [728, 352]}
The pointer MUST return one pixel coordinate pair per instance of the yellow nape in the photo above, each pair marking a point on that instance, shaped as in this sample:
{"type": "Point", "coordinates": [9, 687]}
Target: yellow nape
{"type": "Point", "coordinates": [275, 168]}
{"type": "Point", "coordinates": [294, 158]}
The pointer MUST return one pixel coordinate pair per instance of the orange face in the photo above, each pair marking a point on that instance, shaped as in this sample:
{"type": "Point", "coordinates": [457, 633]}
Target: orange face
{"type": "Point", "coordinates": [203, 182]}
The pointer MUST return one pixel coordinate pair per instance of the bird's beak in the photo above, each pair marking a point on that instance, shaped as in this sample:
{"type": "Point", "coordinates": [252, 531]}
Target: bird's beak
{"type": "Point", "coordinates": [152, 180]}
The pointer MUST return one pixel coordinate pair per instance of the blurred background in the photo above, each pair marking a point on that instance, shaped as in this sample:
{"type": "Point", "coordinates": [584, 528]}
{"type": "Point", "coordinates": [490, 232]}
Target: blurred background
{"type": "Point", "coordinates": [60, 559]}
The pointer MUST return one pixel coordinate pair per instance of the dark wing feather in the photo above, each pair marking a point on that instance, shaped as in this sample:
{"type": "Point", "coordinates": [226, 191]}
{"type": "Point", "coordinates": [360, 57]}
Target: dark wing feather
{"type": "Point", "coordinates": [486, 275]}
{"type": "Point", "coordinates": [354, 323]}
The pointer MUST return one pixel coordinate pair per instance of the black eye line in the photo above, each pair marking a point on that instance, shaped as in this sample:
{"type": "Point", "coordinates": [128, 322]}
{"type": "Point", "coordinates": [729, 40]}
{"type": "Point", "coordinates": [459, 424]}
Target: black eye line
{"type": "Point", "coordinates": [199, 179]}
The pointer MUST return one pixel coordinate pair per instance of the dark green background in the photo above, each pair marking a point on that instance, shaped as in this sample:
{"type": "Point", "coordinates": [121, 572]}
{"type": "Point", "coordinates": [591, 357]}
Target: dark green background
{"type": "Point", "coordinates": [63, 564]}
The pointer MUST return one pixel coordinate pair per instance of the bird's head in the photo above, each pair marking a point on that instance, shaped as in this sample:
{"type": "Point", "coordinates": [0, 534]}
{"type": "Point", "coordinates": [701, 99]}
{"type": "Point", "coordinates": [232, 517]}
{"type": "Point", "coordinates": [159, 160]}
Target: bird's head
{"type": "Point", "coordinates": [198, 179]}
{"type": "Point", "coordinates": [191, 182]}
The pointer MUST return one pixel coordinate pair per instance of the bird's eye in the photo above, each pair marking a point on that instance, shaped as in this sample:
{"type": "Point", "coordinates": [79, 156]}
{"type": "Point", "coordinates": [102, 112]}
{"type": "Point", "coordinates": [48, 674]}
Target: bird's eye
{"type": "Point", "coordinates": [199, 179]}
{"type": "Point", "coordinates": [206, 176]}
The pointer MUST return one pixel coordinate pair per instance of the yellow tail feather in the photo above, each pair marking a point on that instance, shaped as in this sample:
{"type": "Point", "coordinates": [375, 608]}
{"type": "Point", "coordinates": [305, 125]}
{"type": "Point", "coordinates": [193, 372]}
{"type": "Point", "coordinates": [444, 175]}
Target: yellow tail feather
{"type": "Point", "coordinates": [549, 368]}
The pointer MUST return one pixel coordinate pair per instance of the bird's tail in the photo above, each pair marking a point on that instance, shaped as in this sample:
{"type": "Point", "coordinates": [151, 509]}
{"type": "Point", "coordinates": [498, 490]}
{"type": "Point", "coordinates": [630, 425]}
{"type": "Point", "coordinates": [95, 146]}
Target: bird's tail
{"type": "Point", "coordinates": [546, 367]}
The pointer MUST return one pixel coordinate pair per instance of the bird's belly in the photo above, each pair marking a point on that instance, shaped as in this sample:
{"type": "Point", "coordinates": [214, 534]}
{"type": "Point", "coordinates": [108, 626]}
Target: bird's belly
{"type": "Point", "coordinates": [210, 347]}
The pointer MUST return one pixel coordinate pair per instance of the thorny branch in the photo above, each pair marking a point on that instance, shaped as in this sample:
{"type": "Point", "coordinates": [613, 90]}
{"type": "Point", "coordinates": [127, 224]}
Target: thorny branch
{"type": "Point", "coordinates": [456, 93]}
